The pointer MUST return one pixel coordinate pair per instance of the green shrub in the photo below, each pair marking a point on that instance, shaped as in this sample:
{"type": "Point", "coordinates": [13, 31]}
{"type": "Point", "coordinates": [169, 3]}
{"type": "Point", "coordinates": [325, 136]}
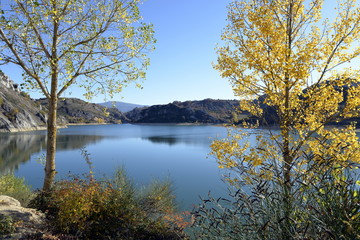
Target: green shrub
{"type": "Point", "coordinates": [25, 95]}
{"type": "Point", "coordinates": [324, 209]}
{"type": "Point", "coordinates": [15, 187]}
{"type": "Point", "coordinates": [158, 197]}
{"type": "Point", "coordinates": [109, 209]}
{"type": "Point", "coordinates": [6, 225]}
{"type": "Point", "coordinates": [43, 112]}
{"type": "Point", "coordinates": [11, 115]}
{"type": "Point", "coordinates": [336, 205]}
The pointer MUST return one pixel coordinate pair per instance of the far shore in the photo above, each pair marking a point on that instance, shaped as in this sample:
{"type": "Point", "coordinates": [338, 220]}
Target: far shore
{"type": "Point", "coordinates": [88, 124]}
{"type": "Point", "coordinates": [43, 128]}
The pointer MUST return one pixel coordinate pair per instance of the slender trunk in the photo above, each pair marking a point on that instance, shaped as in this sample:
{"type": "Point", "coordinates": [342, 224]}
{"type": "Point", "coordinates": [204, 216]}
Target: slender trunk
{"type": "Point", "coordinates": [285, 132]}
{"type": "Point", "coordinates": [287, 166]}
{"type": "Point", "coordinates": [50, 171]}
{"type": "Point", "coordinates": [287, 181]}
{"type": "Point", "coordinates": [51, 144]}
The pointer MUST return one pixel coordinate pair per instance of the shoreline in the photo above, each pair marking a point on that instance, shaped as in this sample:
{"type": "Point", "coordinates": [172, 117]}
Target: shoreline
{"type": "Point", "coordinates": [44, 128]}
{"type": "Point", "coordinates": [87, 124]}
{"type": "Point", "coordinates": [17, 130]}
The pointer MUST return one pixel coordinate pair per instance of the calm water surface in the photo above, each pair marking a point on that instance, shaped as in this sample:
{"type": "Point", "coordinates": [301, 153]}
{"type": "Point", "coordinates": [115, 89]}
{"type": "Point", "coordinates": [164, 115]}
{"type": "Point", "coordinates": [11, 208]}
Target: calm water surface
{"type": "Point", "coordinates": [147, 152]}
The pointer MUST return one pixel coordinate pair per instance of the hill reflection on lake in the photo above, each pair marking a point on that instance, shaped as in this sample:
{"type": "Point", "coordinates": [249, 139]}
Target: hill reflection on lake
{"type": "Point", "coordinates": [173, 140]}
{"type": "Point", "coordinates": [147, 152]}
{"type": "Point", "coordinates": [17, 149]}
{"type": "Point", "coordinates": [175, 152]}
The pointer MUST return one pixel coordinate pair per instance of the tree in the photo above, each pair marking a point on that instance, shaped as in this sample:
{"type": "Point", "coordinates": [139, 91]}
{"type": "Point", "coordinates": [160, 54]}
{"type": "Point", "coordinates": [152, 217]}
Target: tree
{"type": "Point", "coordinates": [99, 45]}
{"type": "Point", "coordinates": [300, 65]}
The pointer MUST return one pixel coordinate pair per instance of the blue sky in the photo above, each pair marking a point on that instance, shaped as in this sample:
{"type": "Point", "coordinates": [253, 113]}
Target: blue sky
{"type": "Point", "coordinates": [187, 32]}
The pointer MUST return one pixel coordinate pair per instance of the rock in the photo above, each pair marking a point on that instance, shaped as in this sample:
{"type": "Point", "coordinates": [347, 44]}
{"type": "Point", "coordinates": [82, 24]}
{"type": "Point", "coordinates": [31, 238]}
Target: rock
{"type": "Point", "coordinates": [8, 201]}
{"type": "Point", "coordinates": [28, 221]}
{"type": "Point", "coordinates": [18, 112]}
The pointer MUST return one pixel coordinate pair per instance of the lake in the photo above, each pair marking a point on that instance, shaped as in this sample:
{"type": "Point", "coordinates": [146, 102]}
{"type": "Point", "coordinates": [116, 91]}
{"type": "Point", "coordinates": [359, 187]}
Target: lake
{"type": "Point", "coordinates": [147, 152]}
{"type": "Point", "coordinates": [175, 152]}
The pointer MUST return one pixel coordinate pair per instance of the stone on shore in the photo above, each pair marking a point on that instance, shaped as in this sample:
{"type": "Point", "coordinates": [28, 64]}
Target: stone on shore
{"type": "Point", "coordinates": [27, 221]}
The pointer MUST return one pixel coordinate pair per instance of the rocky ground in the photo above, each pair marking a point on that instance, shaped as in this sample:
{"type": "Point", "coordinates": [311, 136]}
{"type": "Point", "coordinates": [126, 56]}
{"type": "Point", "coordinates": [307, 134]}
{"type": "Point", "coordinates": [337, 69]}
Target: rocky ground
{"type": "Point", "coordinates": [29, 223]}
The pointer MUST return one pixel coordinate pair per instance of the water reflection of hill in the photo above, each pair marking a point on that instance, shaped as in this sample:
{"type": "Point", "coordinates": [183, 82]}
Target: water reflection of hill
{"type": "Point", "coordinates": [167, 140]}
{"type": "Point", "coordinates": [16, 149]}
{"type": "Point", "coordinates": [174, 140]}
{"type": "Point", "coordinates": [69, 142]}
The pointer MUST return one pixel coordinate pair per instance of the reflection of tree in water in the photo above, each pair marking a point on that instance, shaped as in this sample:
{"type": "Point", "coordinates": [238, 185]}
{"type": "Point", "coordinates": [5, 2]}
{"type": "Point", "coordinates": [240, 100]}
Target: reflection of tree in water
{"type": "Point", "coordinates": [16, 149]}
{"type": "Point", "coordinates": [70, 142]}
{"type": "Point", "coordinates": [160, 139]}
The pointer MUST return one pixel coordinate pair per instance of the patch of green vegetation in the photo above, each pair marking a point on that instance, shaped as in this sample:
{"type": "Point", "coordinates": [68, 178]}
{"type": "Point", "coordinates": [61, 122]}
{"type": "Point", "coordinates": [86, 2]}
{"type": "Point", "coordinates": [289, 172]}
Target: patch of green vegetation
{"type": "Point", "coordinates": [43, 112]}
{"type": "Point", "coordinates": [327, 209]}
{"type": "Point", "coordinates": [6, 225]}
{"type": "Point", "coordinates": [25, 95]}
{"type": "Point", "coordinates": [11, 115]}
{"type": "Point", "coordinates": [15, 187]}
{"type": "Point", "coordinates": [110, 209]}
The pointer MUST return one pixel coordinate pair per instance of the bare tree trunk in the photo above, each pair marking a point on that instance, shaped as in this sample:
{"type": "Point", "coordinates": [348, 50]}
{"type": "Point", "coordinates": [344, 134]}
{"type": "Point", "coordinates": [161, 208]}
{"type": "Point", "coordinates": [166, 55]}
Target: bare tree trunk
{"type": "Point", "coordinates": [50, 171]}
{"type": "Point", "coordinates": [287, 183]}
{"type": "Point", "coordinates": [285, 133]}
{"type": "Point", "coordinates": [51, 145]}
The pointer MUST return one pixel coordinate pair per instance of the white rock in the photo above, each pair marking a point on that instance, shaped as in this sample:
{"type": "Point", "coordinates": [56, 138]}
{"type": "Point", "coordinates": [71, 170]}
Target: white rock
{"type": "Point", "coordinates": [6, 201]}
{"type": "Point", "coordinates": [29, 221]}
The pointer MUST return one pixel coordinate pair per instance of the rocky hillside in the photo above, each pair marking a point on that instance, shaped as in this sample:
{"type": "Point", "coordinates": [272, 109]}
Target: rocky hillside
{"type": "Point", "coordinates": [18, 112]}
{"type": "Point", "coordinates": [205, 111]}
{"type": "Point", "coordinates": [78, 111]}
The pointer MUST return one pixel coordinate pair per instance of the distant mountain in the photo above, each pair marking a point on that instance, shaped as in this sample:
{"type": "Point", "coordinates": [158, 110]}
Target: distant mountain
{"type": "Point", "coordinates": [204, 111]}
{"type": "Point", "coordinates": [79, 111]}
{"type": "Point", "coordinates": [18, 112]}
{"type": "Point", "coordinates": [121, 106]}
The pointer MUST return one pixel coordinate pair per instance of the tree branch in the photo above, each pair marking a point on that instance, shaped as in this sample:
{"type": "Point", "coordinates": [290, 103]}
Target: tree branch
{"type": "Point", "coordinates": [21, 63]}
{"type": "Point", "coordinates": [33, 25]}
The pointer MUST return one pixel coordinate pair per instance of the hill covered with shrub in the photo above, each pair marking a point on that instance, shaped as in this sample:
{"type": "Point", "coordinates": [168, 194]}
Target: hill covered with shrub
{"type": "Point", "coordinates": [204, 111]}
{"type": "Point", "coordinates": [77, 111]}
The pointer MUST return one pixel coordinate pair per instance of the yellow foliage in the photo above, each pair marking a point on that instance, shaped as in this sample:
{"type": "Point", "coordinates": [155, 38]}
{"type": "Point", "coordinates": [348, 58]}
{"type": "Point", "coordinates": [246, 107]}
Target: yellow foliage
{"type": "Point", "coordinates": [276, 49]}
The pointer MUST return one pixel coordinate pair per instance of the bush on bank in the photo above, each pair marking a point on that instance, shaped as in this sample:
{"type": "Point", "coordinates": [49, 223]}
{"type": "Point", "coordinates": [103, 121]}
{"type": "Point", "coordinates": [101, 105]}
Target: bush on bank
{"type": "Point", "coordinates": [328, 208]}
{"type": "Point", "coordinates": [111, 209]}
{"type": "Point", "coordinates": [15, 187]}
